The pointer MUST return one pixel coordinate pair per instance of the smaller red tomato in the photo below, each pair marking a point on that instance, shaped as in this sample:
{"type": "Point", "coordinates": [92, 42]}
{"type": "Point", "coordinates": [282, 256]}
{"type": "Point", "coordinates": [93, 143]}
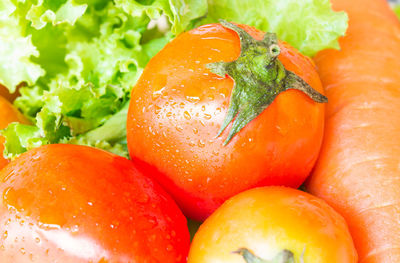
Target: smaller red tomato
{"type": "Point", "coordinates": [271, 222]}
{"type": "Point", "coordinates": [70, 203]}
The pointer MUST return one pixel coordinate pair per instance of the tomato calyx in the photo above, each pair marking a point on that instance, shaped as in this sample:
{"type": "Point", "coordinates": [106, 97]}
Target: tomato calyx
{"type": "Point", "coordinates": [259, 78]}
{"type": "Point", "coordinates": [285, 256]}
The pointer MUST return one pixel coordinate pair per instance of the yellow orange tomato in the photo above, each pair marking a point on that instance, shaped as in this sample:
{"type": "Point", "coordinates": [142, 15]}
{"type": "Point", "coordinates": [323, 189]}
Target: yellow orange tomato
{"type": "Point", "coordinates": [269, 220]}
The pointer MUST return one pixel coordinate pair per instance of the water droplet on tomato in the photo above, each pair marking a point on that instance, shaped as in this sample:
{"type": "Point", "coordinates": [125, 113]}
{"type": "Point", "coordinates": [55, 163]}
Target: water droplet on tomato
{"type": "Point", "coordinates": [8, 176]}
{"type": "Point", "coordinates": [5, 234]}
{"type": "Point", "coordinates": [187, 116]}
{"type": "Point", "coordinates": [192, 99]}
{"type": "Point", "coordinates": [19, 199]}
{"type": "Point", "coordinates": [49, 226]}
{"type": "Point", "coordinates": [157, 109]}
{"type": "Point", "coordinates": [282, 131]}
{"type": "Point", "coordinates": [158, 93]}
{"type": "Point", "coordinates": [207, 116]}
{"type": "Point", "coordinates": [169, 247]}
{"type": "Point", "coordinates": [201, 143]}
{"type": "Point", "coordinates": [74, 229]}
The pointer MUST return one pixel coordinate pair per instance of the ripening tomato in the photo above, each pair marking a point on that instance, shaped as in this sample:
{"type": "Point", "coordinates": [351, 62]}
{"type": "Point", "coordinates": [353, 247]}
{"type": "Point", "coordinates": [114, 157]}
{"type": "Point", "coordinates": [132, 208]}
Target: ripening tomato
{"type": "Point", "coordinates": [70, 203]}
{"type": "Point", "coordinates": [206, 140]}
{"type": "Point", "coordinates": [8, 114]}
{"type": "Point", "coordinates": [270, 223]}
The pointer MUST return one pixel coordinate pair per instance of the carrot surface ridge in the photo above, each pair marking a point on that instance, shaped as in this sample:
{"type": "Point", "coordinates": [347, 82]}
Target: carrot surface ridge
{"type": "Point", "coordinates": [358, 171]}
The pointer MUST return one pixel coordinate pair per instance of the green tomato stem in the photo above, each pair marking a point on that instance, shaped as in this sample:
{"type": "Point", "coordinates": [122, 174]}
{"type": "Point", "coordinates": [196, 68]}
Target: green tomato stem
{"type": "Point", "coordinates": [285, 256]}
{"type": "Point", "coordinates": [259, 77]}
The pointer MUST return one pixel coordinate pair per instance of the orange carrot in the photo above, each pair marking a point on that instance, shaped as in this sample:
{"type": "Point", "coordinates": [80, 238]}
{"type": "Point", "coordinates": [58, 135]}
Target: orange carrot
{"type": "Point", "coordinates": [358, 171]}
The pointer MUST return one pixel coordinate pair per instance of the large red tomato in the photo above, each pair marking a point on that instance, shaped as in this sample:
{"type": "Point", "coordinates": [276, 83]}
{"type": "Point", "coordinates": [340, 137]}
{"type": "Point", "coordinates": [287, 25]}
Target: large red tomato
{"type": "Point", "coordinates": [7, 95]}
{"type": "Point", "coordinates": [177, 109]}
{"type": "Point", "coordinates": [70, 203]}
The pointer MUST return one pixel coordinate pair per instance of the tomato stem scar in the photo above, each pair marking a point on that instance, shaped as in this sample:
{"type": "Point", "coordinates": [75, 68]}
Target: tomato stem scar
{"type": "Point", "coordinates": [259, 77]}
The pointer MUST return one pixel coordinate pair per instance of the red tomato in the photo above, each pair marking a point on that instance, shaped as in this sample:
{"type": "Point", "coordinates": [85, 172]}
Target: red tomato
{"type": "Point", "coordinates": [269, 220]}
{"type": "Point", "coordinates": [177, 108]}
{"type": "Point", "coordinates": [70, 203]}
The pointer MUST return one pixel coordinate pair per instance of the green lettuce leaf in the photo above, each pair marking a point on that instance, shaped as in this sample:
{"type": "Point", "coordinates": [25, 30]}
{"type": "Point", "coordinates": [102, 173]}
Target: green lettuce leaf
{"type": "Point", "coordinates": [16, 50]}
{"type": "Point", "coordinates": [308, 25]}
{"type": "Point", "coordinates": [55, 12]}
{"type": "Point", "coordinates": [20, 138]}
{"type": "Point", "coordinates": [179, 12]}
{"type": "Point", "coordinates": [397, 11]}
{"type": "Point", "coordinates": [83, 58]}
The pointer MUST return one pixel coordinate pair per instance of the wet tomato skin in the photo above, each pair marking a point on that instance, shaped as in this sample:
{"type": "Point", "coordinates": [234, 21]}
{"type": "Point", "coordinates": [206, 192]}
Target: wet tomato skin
{"type": "Point", "coordinates": [69, 203]}
{"type": "Point", "coordinates": [267, 220]}
{"type": "Point", "coordinates": [178, 106]}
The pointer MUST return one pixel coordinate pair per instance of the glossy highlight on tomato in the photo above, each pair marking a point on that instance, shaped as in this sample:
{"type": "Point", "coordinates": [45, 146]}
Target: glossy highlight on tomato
{"type": "Point", "coordinates": [70, 203]}
{"type": "Point", "coordinates": [269, 220]}
{"type": "Point", "coordinates": [177, 108]}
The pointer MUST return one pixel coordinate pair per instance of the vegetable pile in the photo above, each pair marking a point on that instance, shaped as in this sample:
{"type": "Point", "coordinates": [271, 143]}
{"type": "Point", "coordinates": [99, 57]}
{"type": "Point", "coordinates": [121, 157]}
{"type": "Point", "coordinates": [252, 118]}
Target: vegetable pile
{"type": "Point", "coordinates": [80, 59]}
{"type": "Point", "coordinates": [125, 125]}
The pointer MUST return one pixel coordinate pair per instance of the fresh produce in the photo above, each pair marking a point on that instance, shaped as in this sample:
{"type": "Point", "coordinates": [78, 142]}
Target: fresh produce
{"type": "Point", "coordinates": [358, 169]}
{"type": "Point", "coordinates": [180, 110]}
{"type": "Point", "coordinates": [71, 203]}
{"type": "Point", "coordinates": [8, 114]}
{"type": "Point", "coordinates": [73, 65]}
{"type": "Point", "coordinates": [80, 59]}
{"type": "Point", "coordinates": [6, 94]}
{"type": "Point", "coordinates": [267, 224]}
